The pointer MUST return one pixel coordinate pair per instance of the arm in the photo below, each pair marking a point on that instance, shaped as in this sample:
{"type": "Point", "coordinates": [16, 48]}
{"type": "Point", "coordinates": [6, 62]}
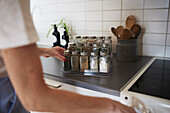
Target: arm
{"type": "Point", "coordinates": [25, 72]}
{"type": "Point", "coordinates": [52, 52]}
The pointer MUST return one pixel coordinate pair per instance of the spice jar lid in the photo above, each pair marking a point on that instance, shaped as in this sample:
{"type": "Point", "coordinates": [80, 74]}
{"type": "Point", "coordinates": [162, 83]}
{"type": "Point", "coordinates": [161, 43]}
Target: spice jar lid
{"type": "Point", "coordinates": [79, 45]}
{"type": "Point", "coordinates": [83, 53]}
{"type": "Point", "coordinates": [85, 37]}
{"type": "Point", "coordinates": [92, 37]}
{"type": "Point", "coordinates": [103, 52]}
{"type": "Point", "coordinates": [89, 45]}
{"type": "Point", "coordinates": [76, 53]}
{"type": "Point", "coordinates": [71, 44]}
{"type": "Point", "coordinates": [71, 48]}
{"type": "Point", "coordinates": [105, 45]}
{"type": "Point", "coordinates": [101, 37]}
{"type": "Point", "coordinates": [77, 37]}
{"type": "Point", "coordinates": [67, 53]}
{"type": "Point", "coordinates": [94, 52]}
{"type": "Point", "coordinates": [108, 37]}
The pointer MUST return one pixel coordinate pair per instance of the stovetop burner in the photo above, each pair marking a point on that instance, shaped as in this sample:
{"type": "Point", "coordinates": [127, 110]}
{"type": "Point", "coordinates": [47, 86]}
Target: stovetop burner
{"type": "Point", "coordinates": [155, 81]}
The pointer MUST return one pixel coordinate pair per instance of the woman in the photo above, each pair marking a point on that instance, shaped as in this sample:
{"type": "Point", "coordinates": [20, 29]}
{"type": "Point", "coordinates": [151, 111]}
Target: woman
{"type": "Point", "coordinates": [21, 58]}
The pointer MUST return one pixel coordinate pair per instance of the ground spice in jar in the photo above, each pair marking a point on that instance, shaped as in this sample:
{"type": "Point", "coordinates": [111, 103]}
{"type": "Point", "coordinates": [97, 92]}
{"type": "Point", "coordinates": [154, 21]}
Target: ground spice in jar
{"type": "Point", "coordinates": [92, 39]}
{"type": "Point", "coordinates": [84, 61]}
{"type": "Point", "coordinates": [75, 61]}
{"type": "Point", "coordinates": [103, 61]}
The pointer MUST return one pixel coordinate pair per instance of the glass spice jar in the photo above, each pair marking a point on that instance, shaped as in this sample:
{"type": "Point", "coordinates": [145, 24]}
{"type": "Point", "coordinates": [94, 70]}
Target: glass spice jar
{"type": "Point", "coordinates": [77, 39]}
{"type": "Point", "coordinates": [84, 39]}
{"type": "Point", "coordinates": [103, 61]}
{"type": "Point", "coordinates": [100, 41]}
{"type": "Point", "coordinates": [71, 46]}
{"type": "Point", "coordinates": [107, 48]}
{"type": "Point", "coordinates": [84, 64]}
{"type": "Point", "coordinates": [108, 40]}
{"type": "Point", "coordinates": [67, 63]}
{"type": "Point", "coordinates": [75, 61]}
{"type": "Point", "coordinates": [79, 47]}
{"type": "Point", "coordinates": [94, 61]}
{"type": "Point", "coordinates": [92, 39]}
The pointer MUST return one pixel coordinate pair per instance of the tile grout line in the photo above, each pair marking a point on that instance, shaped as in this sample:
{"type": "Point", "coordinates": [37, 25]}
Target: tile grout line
{"type": "Point", "coordinates": [102, 18]}
{"type": "Point", "coordinates": [86, 16]}
{"type": "Point", "coordinates": [167, 30]}
{"type": "Point", "coordinates": [121, 11]}
{"type": "Point", "coordinates": [142, 33]}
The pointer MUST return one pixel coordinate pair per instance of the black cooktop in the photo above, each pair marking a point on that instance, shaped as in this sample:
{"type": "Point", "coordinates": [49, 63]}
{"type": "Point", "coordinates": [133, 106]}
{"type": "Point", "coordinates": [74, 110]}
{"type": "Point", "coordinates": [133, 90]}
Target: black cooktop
{"type": "Point", "coordinates": [155, 81]}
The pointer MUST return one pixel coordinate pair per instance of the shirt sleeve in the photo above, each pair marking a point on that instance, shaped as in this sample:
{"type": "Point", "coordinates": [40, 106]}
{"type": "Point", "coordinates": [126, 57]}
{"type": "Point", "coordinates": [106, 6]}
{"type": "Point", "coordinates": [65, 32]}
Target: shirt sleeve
{"type": "Point", "coordinates": [16, 25]}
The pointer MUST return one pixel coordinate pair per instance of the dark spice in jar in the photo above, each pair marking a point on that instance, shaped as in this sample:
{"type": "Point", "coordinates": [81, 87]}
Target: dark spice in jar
{"type": "Point", "coordinates": [67, 63]}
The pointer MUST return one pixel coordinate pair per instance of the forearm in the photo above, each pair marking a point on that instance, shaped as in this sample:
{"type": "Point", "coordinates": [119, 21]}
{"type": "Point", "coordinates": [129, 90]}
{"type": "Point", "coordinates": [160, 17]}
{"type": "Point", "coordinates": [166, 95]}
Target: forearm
{"type": "Point", "coordinates": [25, 72]}
{"type": "Point", "coordinates": [43, 52]}
{"type": "Point", "coordinates": [56, 52]}
{"type": "Point", "coordinates": [64, 102]}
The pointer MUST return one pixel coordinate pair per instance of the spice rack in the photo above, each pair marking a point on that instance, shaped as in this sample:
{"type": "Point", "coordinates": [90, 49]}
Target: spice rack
{"type": "Point", "coordinates": [88, 55]}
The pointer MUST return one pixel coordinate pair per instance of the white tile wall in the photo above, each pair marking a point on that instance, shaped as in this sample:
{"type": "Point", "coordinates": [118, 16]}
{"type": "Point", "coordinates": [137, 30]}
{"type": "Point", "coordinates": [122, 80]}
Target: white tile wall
{"type": "Point", "coordinates": [152, 50]}
{"type": "Point", "coordinates": [168, 27]}
{"type": "Point", "coordinates": [132, 4]}
{"type": "Point", "coordinates": [156, 15]}
{"type": "Point", "coordinates": [94, 5]}
{"type": "Point", "coordinates": [168, 40]}
{"type": "Point", "coordinates": [96, 17]}
{"type": "Point", "coordinates": [107, 25]}
{"type": "Point", "coordinates": [78, 16]}
{"type": "Point", "coordinates": [155, 39]}
{"type": "Point", "coordinates": [111, 5]}
{"type": "Point", "coordinates": [111, 15]}
{"type": "Point", "coordinates": [156, 3]}
{"type": "Point", "coordinates": [94, 26]}
{"type": "Point", "coordinates": [77, 6]}
{"type": "Point", "coordinates": [155, 27]}
{"type": "Point", "coordinates": [167, 54]}
{"type": "Point", "coordinates": [137, 13]}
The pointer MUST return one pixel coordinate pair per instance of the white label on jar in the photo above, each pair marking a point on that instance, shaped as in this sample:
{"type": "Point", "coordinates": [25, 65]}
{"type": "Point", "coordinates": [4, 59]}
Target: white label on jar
{"type": "Point", "coordinates": [94, 64]}
{"type": "Point", "coordinates": [103, 65]}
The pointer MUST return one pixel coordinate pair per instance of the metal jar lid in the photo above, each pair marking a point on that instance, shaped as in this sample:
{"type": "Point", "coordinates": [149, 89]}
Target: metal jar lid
{"type": "Point", "coordinates": [77, 37]}
{"type": "Point", "coordinates": [92, 37]}
{"type": "Point", "coordinates": [72, 44]}
{"type": "Point", "coordinates": [103, 52]}
{"type": "Point", "coordinates": [105, 45]}
{"type": "Point", "coordinates": [84, 53]}
{"type": "Point", "coordinates": [84, 37]}
{"type": "Point", "coordinates": [67, 53]}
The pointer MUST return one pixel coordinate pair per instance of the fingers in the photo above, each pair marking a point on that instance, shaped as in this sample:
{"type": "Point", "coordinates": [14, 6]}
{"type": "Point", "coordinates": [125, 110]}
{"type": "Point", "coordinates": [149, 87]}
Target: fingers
{"type": "Point", "coordinates": [60, 57]}
{"type": "Point", "coordinates": [121, 108]}
{"type": "Point", "coordinates": [60, 48]}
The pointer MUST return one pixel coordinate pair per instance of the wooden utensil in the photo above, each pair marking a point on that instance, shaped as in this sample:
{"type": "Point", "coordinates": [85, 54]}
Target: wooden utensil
{"type": "Point", "coordinates": [135, 31]}
{"type": "Point", "coordinates": [119, 29]}
{"type": "Point", "coordinates": [125, 35]}
{"type": "Point", "coordinates": [114, 31]}
{"type": "Point", "coordinates": [130, 21]}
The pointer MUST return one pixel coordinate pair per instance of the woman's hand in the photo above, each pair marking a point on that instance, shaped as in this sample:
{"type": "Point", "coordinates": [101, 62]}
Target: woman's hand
{"type": "Point", "coordinates": [52, 52]}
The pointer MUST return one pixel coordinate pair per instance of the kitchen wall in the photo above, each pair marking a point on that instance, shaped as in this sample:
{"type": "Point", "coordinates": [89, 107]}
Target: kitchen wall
{"type": "Point", "coordinates": [95, 17]}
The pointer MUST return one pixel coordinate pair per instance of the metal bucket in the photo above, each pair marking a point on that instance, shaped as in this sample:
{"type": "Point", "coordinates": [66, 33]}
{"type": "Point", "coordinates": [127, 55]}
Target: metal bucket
{"type": "Point", "coordinates": [126, 50]}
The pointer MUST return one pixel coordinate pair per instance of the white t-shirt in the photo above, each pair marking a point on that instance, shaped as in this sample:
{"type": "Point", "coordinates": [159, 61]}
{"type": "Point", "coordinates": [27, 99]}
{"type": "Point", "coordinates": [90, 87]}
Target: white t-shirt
{"type": "Point", "coordinates": [16, 27]}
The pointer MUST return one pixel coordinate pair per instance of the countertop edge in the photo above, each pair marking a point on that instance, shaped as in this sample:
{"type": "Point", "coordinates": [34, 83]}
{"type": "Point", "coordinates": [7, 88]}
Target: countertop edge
{"type": "Point", "coordinates": [82, 84]}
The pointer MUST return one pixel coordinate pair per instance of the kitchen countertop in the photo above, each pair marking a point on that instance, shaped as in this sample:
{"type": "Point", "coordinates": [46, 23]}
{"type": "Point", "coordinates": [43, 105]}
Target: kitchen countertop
{"type": "Point", "coordinates": [121, 73]}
